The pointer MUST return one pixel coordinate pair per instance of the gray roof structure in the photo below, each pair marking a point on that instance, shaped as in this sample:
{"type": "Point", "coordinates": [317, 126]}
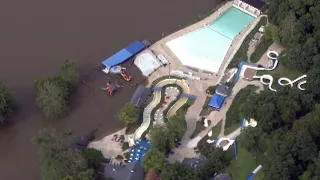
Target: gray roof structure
{"type": "Point", "coordinates": [223, 90]}
{"type": "Point", "coordinates": [193, 162]}
{"type": "Point", "coordinates": [225, 176]}
{"type": "Point", "coordinates": [140, 96]}
{"type": "Point", "coordinates": [131, 171]}
{"type": "Point", "coordinates": [259, 4]}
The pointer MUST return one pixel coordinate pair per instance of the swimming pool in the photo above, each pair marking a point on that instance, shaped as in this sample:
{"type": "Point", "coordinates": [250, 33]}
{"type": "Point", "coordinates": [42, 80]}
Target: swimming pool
{"type": "Point", "coordinates": [205, 48]}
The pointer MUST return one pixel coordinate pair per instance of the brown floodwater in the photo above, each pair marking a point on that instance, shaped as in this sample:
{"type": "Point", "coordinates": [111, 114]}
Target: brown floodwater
{"type": "Point", "coordinates": [36, 35]}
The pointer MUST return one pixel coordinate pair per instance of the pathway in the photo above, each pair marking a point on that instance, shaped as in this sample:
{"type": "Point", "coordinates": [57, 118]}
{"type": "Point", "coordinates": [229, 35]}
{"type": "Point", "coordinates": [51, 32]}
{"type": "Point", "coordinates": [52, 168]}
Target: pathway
{"type": "Point", "coordinates": [216, 116]}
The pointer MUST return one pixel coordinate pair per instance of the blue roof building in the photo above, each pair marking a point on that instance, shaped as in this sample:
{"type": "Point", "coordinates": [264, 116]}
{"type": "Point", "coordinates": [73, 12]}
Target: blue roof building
{"type": "Point", "coordinates": [217, 101]}
{"type": "Point", "coordinates": [124, 54]}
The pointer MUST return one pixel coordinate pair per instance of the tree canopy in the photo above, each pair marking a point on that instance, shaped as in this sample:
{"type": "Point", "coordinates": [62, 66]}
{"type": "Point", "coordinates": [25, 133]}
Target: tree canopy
{"type": "Point", "coordinates": [154, 159]}
{"type": "Point", "coordinates": [128, 113]}
{"type": "Point", "coordinates": [52, 92]}
{"type": "Point", "coordinates": [58, 159]}
{"type": "Point", "coordinates": [6, 104]}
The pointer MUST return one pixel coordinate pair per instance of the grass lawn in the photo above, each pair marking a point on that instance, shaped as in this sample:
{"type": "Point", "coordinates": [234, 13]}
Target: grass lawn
{"type": "Point", "coordinates": [241, 167]}
{"type": "Point", "coordinates": [232, 128]}
{"type": "Point", "coordinates": [281, 71]}
{"type": "Point", "coordinates": [216, 130]}
{"type": "Point", "coordinates": [199, 127]}
{"type": "Point", "coordinates": [205, 108]}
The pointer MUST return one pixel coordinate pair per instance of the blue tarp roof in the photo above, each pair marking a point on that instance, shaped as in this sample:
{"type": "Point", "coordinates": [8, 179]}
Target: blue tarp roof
{"type": "Point", "coordinates": [217, 101]}
{"type": "Point", "coordinates": [124, 54]}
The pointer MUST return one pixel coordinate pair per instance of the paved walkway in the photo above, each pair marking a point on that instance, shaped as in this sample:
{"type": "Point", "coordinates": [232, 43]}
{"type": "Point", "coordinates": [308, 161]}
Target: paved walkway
{"type": "Point", "coordinates": [216, 116]}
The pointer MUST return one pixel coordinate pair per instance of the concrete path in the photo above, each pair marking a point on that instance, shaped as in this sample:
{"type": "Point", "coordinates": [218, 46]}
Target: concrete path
{"type": "Point", "coordinates": [216, 117]}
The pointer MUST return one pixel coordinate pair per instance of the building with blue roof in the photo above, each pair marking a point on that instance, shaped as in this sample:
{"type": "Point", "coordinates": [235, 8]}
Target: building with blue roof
{"type": "Point", "coordinates": [124, 54]}
{"type": "Point", "coordinates": [217, 101]}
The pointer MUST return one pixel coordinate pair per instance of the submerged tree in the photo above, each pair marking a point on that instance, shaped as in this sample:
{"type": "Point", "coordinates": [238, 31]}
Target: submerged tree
{"type": "Point", "coordinates": [128, 113]}
{"type": "Point", "coordinates": [58, 159]}
{"type": "Point", "coordinates": [53, 92]}
{"type": "Point", "coordinates": [6, 104]}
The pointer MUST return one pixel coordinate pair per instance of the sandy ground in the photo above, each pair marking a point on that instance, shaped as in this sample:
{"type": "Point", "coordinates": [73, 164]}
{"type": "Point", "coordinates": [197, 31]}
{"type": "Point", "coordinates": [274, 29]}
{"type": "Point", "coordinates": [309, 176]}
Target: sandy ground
{"type": "Point", "coordinates": [109, 148]}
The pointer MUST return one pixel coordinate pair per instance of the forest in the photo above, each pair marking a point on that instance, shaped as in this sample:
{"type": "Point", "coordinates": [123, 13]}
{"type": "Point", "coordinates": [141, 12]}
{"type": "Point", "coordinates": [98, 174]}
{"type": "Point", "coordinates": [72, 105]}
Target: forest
{"type": "Point", "coordinates": [287, 136]}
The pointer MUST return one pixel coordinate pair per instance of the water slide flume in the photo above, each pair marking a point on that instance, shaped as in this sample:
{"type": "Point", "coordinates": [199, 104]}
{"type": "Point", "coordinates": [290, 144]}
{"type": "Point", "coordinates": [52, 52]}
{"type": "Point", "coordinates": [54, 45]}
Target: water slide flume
{"type": "Point", "coordinates": [268, 79]}
{"type": "Point", "coordinates": [155, 101]}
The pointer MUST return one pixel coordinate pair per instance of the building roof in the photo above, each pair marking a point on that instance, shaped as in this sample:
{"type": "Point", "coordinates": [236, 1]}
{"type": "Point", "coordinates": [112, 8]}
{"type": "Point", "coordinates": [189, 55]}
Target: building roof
{"type": "Point", "coordinates": [259, 4]}
{"type": "Point", "coordinates": [223, 90]}
{"type": "Point", "coordinates": [225, 176]}
{"type": "Point", "coordinates": [193, 162]}
{"type": "Point", "coordinates": [124, 54]}
{"type": "Point", "coordinates": [249, 73]}
{"type": "Point", "coordinates": [140, 96]}
{"type": "Point", "coordinates": [217, 101]}
{"type": "Point", "coordinates": [132, 171]}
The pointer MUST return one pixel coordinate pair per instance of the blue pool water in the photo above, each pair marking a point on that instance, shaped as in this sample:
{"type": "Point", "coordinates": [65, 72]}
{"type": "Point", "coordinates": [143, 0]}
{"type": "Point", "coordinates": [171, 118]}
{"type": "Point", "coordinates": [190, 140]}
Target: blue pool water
{"type": "Point", "coordinates": [231, 23]}
{"type": "Point", "coordinates": [206, 47]}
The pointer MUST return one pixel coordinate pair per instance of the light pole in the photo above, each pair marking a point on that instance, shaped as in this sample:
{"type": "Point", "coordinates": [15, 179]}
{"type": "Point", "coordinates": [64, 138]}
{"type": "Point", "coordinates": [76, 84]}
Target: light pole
{"type": "Point", "coordinates": [169, 68]}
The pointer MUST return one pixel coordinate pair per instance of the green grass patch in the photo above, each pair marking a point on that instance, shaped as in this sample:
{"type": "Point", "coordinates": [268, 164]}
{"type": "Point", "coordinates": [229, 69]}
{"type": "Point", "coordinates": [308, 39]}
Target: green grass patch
{"type": "Point", "coordinates": [205, 108]}
{"type": "Point", "coordinates": [203, 146]}
{"type": "Point", "coordinates": [234, 114]}
{"type": "Point", "coordinates": [241, 167]}
{"type": "Point", "coordinates": [241, 54]}
{"type": "Point", "coordinates": [231, 128]}
{"type": "Point", "coordinates": [125, 146]}
{"type": "Point", "coordinates": [260, 49]}
{"type": "Point", "coordinates": [281, 71]}
{"type": "Point", "coordinates": [199, 127]}
{"type": "Point", "coordinates": [216, 130]}
{"type": "Point", "coordinates": [180, 116]}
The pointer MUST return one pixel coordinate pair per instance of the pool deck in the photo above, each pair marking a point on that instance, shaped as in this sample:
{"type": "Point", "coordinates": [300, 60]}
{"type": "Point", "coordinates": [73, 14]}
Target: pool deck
{"type": "Point", "coordinates": [160, 47]}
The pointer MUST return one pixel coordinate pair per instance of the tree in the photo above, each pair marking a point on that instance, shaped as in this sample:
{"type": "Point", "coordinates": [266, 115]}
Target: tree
{"type": "Point", "coordinates": [53, 92]}
{"type": "Point", "coordinates": [154, 159]}
{"type": "Point", "coordinates": [251, 139]}
{"type": "Point", "coordinates": [83, 175]}
{"type": "Point", "coordinates": [219, 159]}
{"type": "Point", "coordinates": [152, 175]}
{"type": "Point", "coordinates": [6, 104]}
{"type": "Point", "coordinates": [59, 160]}
{"type": "Point", "coordinates": [69, 73]}
{"type": "Point", "coordinates": [272, 33]}
{"type": "Point", "coordinates": [160, 138]}
{"type": "Point", "coordinates": [170, 172]}
{"type": "Point", "coordinates": [128, 113]}
{"type": "Point", "coordinates": [93, 157]}
{"type": "Point", "coordinates": [51, 97]}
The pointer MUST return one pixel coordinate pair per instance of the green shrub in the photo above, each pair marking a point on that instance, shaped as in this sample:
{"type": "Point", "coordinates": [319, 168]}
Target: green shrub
{"type": "Point", "coordinates": [6, 104]}
{"type": "Point", "coordinates": [260, 50]}
{"type": "Point", "coordinates": [125, 146]}
{"type": "Point", "coordinates": [211, 89]}
{"type": "Point", "coordinates": [93, 157]}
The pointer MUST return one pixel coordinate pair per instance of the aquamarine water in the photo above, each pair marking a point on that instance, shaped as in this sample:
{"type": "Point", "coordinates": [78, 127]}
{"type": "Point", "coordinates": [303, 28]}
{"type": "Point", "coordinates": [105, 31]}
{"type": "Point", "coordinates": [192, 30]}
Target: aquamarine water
{"type": "Point", "coordinates": [205, 48]}
{"type": "Point", "coordinates": [231, 22]}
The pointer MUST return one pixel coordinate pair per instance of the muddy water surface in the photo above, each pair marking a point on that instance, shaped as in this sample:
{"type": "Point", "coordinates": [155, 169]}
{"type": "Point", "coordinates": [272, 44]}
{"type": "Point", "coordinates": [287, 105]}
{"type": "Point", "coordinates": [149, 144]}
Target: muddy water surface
{"type": "Point", "coordinates": [36, 35]}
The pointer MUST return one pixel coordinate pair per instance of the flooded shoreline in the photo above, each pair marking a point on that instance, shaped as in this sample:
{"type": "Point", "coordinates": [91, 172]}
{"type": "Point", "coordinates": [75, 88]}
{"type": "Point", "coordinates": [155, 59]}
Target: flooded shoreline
{"type": "Point", "coordinates": [36, 36]}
